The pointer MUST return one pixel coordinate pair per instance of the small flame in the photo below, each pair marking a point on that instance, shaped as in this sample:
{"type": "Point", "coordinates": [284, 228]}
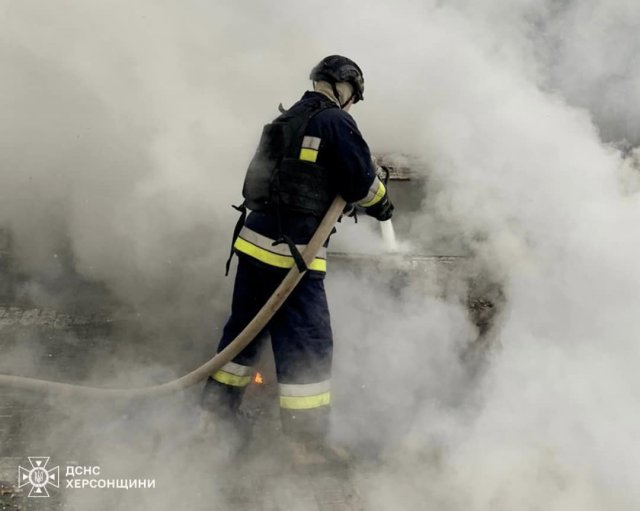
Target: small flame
{"type": "Point", "coordinates": [258, 379]}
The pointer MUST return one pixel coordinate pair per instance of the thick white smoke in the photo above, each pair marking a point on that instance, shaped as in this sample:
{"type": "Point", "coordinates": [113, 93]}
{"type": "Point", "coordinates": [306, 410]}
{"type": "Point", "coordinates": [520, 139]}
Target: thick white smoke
{"type": "Point", "coordinates": [125, 132]}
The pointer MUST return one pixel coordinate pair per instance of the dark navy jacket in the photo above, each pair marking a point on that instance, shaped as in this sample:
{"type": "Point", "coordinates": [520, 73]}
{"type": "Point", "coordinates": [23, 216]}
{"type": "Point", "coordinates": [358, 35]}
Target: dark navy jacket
{"type": "Point", "coordinates": [344, 152]}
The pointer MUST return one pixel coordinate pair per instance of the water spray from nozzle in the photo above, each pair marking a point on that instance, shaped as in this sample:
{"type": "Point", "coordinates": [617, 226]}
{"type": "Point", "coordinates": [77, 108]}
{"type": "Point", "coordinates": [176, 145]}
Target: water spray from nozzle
{"type": "Point", "coordinates": [389, 236]}
{"type": "Point", "coordinates": [386, 227]}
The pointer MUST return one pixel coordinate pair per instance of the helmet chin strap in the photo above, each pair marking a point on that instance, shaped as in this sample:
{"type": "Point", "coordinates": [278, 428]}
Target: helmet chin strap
{"type": "Point", "coordinates": [337, 96]}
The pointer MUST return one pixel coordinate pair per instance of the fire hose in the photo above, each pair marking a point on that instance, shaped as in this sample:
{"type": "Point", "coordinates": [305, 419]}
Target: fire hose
{"type": "Point", "coordinates": [197, 375]}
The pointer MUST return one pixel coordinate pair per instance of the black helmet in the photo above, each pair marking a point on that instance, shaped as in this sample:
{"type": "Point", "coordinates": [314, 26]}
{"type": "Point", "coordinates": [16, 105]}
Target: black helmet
{"type": "Point", "coordinates": [336, 68]}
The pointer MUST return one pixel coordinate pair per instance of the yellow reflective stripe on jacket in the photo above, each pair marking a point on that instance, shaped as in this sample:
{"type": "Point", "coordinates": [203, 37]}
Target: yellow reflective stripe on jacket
{"type": "Point", "coordinates": [305, 402]}
{"type": "Point", "coordinates": [308, 154]}
{"type": "Point", "coordinates": [273, 256]}
{"type": "Point", "coordinates": [376, 192]}
{"type": "Point", "coordinates": [310, 148]}
{"type": "Point", "coordinates": [267, 243]}
{"type": "Point", "coordinates": [233, 374]}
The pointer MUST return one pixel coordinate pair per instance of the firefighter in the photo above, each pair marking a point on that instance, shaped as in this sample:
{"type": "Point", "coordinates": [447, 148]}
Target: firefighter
{"type": "Point", "coordinates": [306, 156]}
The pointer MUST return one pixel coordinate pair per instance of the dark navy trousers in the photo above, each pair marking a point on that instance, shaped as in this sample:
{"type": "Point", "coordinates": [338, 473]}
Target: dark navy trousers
{"type": "Point", "coordinates": [302, 344]}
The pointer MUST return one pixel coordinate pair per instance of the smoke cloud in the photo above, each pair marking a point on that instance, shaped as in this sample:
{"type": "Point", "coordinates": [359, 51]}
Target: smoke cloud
{"type": "Point", "coordinates": [124, 135]}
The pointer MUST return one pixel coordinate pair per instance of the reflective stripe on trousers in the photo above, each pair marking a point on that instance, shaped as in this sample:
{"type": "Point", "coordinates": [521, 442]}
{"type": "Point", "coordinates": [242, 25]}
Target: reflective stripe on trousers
{"type": "Point", "coordinates": [305, 396]}
{"type": "Point", "coordinates": [233, 374]}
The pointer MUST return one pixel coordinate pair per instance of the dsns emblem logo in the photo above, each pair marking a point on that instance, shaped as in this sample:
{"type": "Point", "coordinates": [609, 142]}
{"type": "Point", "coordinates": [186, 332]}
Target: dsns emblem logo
{"type": "Point", "coordinates": [38, 477]}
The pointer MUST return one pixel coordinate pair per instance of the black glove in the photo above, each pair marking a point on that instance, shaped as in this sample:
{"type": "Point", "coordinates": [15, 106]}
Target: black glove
{"type": "Point", "coordinates": [381, 210]}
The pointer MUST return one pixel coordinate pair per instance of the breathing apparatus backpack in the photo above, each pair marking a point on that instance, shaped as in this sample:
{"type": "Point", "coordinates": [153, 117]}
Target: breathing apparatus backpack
{"type": "Point", "coordinates": [281, 177]}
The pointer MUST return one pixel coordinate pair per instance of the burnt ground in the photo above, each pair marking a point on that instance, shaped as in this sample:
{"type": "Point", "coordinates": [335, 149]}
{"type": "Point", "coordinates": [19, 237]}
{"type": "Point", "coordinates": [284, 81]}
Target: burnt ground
{"type": "Point", "coordinates": [64, 347]}
{"type": "Point", "coordinates": [41, 343]}
{"type": "Point", "coordinates": [89, 337]}
{"type": "Point", "coordinates": [76, 343]}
